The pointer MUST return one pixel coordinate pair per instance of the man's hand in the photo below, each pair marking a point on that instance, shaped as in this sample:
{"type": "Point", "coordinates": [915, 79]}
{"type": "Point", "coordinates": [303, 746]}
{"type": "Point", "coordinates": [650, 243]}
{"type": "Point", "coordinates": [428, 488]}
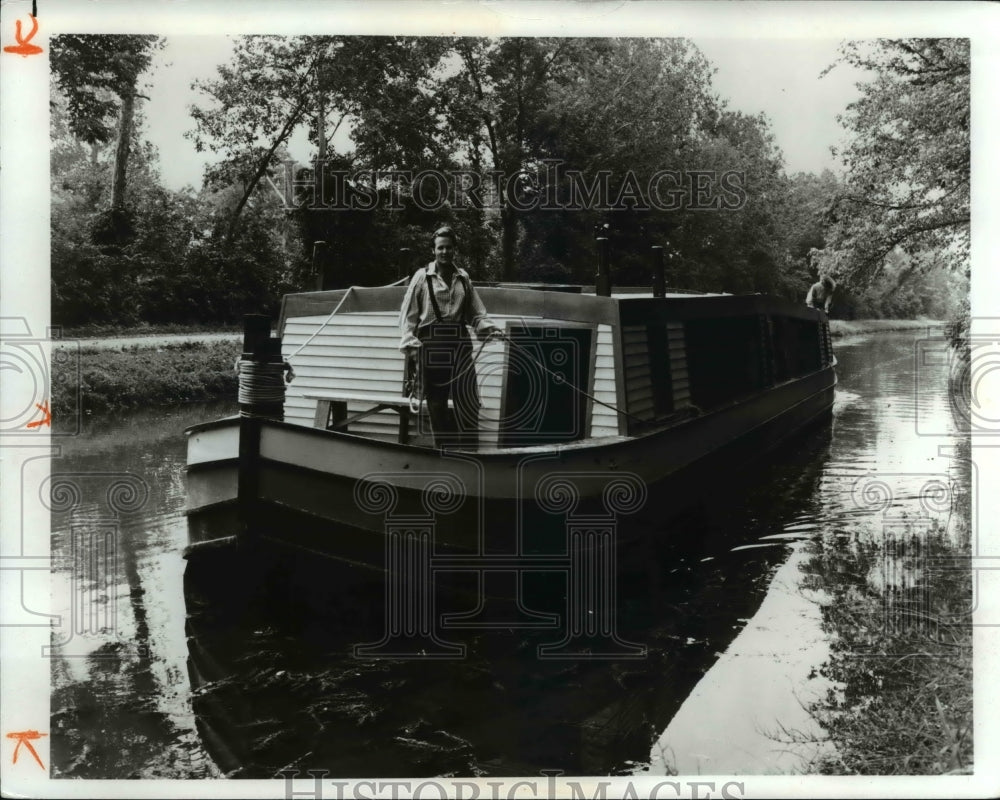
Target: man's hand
{"type": "Point", "coordinates": [496, 336]}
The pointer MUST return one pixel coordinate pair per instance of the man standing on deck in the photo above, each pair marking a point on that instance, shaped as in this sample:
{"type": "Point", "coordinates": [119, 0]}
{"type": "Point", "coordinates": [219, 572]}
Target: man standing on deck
{"type": "Point", "coordinates": [821, 293]}
{"type": "Point", "coordinates": [439, 303]}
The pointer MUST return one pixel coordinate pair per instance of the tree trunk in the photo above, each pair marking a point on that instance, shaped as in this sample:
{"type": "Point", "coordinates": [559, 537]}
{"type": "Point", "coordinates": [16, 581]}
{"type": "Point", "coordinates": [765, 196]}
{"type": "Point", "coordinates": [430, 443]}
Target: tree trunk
{"type": "Point", "coordinates": [508, 242]}
{"type": "Point", "coordinates": [320, 128]}
{"type": "Point", "coordinates": [283, 134]}
{"type": "Point", "coordinates": [122, 152]}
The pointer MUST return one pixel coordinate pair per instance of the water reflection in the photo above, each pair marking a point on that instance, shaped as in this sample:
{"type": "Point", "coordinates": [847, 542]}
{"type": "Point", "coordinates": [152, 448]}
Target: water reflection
{"type": "Point", "coordinates": [188, 682]}
{"type": "Point", "coordinates": [889, 501]}
{"type": "Point", "coordinates": [121, 699]}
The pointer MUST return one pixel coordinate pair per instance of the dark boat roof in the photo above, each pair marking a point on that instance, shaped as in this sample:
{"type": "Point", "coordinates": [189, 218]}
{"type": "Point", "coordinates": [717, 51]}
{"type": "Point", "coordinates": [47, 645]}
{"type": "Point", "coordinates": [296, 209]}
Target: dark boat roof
{"type": "Point", "coordinates": [622, 307]}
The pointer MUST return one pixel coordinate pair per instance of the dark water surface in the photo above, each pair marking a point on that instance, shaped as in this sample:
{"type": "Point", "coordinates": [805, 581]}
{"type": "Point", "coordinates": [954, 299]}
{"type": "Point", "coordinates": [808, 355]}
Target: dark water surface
{"type": "Point", "coordinates": [156, 684]}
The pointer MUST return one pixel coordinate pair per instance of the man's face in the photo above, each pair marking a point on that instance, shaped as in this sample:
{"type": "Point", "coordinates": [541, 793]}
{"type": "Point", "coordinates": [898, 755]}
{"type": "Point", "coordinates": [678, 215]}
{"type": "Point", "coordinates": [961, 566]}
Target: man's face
{"type": "Point", "coordinates": [444, 250]}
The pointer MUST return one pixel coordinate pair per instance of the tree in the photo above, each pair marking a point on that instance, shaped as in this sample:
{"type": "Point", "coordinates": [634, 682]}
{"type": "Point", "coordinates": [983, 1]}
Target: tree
{"type": "Point", "coordinates": [807, 199]}
{"type": "Point", "coordinates": [741, 249]}
{"type": "Point", "coordinates": [258, 100]}
{"type": "Point", "coordinates": [93, 281]}
{"type": "Point", "coordinates": [801, 210]}
{"type": "Point", "coordinates": [623, 107]}
{"type": "Point", "coordinates": [908, 164]}
{"type": "Point", "coordinates": [497, 97]}
{"type": "Point", "coordinates": [173, 268]}
{"type": "Point", "coordinates": [99, 75]}
{"type": "Point", "coordinates": [274, 85]}
{"type": "Point", "coordinates": [635, 108]}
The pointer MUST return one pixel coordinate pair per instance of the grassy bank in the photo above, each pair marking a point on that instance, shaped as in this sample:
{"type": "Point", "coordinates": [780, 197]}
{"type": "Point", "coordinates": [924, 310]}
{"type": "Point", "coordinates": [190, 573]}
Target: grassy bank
{"type": "Point", "coordinates": [108, 380]}
{"type": "Point", "coordinates": [166, 328]}
{"type": "Point", "coordinates": [851, 327]}
{"type": "Point", "coordinates": [112, 379]}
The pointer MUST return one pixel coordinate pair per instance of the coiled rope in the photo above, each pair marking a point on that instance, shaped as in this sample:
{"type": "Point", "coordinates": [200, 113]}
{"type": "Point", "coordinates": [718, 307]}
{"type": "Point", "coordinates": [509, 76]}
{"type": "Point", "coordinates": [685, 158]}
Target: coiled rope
{"type": "Point", "coordinates": [265, 382]}
{"type": "Point", "coordinates": [262, 382]}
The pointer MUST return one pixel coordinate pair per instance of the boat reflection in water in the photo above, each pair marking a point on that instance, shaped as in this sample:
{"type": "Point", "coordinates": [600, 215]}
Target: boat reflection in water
{"type": "Point", "coordinates": [292, 667]}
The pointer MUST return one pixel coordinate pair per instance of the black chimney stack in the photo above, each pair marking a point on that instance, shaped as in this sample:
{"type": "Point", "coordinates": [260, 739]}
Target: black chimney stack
{"type": "Point", "coordinates": [318, 268]}
{"type": "Point", "coordinates": [659, 281]}
{"type": "Point", "coordinates": [404, 269]}
{"type": "Point", "coordinates": [602, 284]}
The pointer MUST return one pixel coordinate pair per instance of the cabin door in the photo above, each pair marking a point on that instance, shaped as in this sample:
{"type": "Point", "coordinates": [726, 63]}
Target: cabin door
{"type": "Point", "coordinates": [545, 366]}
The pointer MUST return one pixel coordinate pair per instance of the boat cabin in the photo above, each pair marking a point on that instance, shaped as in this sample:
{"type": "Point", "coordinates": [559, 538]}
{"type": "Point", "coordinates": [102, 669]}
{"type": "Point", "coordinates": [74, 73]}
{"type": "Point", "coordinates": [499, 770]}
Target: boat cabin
{"type": "Point", "coordinates": [576, 367]}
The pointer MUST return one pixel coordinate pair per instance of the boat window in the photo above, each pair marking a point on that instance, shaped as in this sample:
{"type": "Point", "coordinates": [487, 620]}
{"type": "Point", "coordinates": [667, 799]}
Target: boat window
{"type": "Point", "coordinates": [539, 407]}
{"type": "Point", "coordinates": [726, 358]}
{"type": "Point", "coordinates": [659, 362]}
{"type": "Point", "coordinates": [797, 347]}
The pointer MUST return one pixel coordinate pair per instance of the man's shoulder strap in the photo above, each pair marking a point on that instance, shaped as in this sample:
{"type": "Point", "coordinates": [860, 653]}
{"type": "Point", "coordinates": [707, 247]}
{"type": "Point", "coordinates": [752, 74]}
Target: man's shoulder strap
{"type": "Point", "coordinates": [430, 293]}
{"type": "Point", "coordinates": [467, 299]}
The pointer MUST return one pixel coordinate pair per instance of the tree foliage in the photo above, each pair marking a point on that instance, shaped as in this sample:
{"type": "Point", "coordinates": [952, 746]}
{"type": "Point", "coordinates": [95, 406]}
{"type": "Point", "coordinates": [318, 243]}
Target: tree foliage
{"type": "Point", "coordinates": [505, 108]}
{"type": "Point", "coordinates": [174, 268]}
{"type": "Point", "coordinates": [908, 163]}
{"type": "Point", "coordinates": [637, 108]}
{"type": "Point", "coordinates": [99, 75]}
{"type": "Point", "coordinates": [94, 72]}
{"type": "Point", "coordinates": [588, 123]}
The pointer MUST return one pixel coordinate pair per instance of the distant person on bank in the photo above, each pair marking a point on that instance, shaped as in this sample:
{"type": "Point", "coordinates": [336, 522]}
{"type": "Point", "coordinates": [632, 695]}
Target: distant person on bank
{"type": "Point", "coordinates": [821, 293]}
{"type": "Point", "coordinates": [439, 306]}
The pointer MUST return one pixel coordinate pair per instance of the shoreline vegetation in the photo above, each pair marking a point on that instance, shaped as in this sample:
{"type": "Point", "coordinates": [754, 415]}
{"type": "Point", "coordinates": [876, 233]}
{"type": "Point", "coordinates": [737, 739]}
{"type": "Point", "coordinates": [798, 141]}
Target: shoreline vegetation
{"type": "Point", "coordinates": [854, 327]}
{"type": "Point", "coordinates": [901, 645]}
{"type": "Point", "coordinates": [110, 379]}
{"type": "Point", "coordinates": [115, 372]}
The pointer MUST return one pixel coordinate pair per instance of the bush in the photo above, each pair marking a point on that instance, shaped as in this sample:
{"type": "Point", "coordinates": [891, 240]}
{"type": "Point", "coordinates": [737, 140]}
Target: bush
{"type": "Point", "coordinates": [111, 380]}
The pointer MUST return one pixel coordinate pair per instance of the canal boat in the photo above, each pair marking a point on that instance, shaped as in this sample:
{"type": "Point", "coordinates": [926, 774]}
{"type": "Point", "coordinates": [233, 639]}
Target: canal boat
{"type": "Point", "coordinates": [597, 408]}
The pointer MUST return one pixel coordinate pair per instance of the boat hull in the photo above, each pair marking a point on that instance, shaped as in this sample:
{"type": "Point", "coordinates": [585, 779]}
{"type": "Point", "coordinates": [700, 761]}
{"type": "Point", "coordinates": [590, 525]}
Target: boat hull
{"type": "Point", "coordinates": [339, 494]}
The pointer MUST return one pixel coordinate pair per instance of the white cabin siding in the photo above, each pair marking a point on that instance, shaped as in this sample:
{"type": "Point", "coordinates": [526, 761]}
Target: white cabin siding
{"type": "Point", "coordinates": [359, 353]}
{"type": "Point", "coordinates": [604, 421]}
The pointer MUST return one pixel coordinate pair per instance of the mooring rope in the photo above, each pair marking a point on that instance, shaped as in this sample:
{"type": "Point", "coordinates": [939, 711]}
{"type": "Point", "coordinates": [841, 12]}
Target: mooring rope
{"type": "Point", "coordinates": [415, 402]}
{"type": "Point", "coordinates": [562, 379]}
{"type": "Point", "coordinates": [326, 322]}
{"type": "Point", "coordinates": [261, 383]}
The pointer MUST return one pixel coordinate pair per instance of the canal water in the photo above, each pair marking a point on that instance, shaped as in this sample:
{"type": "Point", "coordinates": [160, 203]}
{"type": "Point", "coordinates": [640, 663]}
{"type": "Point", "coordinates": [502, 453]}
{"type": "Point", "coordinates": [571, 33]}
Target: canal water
{"type": "Point", "coordinates": [155, 679]}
